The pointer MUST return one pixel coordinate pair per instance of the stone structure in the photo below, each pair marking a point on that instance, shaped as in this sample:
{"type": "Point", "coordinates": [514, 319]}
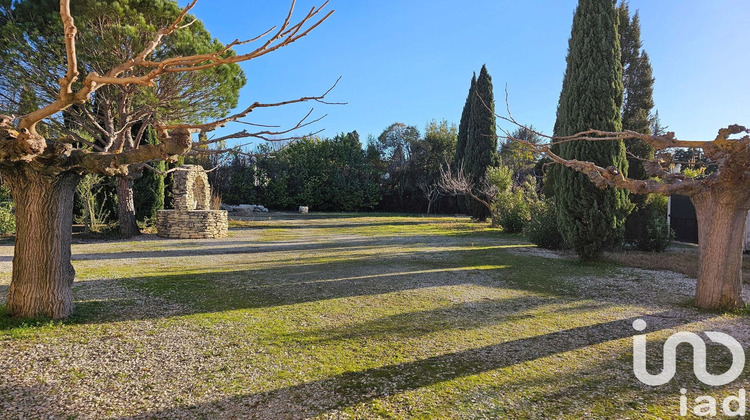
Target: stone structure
{"type": "Point", "coordinates": [192, 217]}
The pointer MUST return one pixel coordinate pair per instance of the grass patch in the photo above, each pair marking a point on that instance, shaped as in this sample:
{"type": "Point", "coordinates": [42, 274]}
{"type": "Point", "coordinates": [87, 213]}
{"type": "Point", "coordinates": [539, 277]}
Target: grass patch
{"type": "Point", "coordinates": [345, 315]}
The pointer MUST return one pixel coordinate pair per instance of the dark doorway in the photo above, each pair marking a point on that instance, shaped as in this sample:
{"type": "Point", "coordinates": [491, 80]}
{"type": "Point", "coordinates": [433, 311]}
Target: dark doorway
{"type": "Point", "coordinates": [683, 220]}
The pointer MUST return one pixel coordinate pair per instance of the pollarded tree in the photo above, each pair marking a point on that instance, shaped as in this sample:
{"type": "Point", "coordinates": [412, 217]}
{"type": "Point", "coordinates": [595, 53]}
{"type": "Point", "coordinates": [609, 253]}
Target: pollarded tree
{"type": "Point", "coordinates": [721, 199]}
{"type": "Point", "coordinates": [42, 172]}
{"type": "Point", "coordinates": [591, 219]}
{"type": "Point", "coordinates": [117, 116]}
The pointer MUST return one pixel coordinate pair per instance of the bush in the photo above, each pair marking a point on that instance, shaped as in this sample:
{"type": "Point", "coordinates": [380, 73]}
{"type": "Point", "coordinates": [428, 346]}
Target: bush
{"type": "Point", "coordinates": [512, 206]}
{"type": "Point", "coordinates": [512, 211]}
{"type": "Point", "coordinates": [646, 229]}
{"type": "Point", "coordinates": [541, 229]}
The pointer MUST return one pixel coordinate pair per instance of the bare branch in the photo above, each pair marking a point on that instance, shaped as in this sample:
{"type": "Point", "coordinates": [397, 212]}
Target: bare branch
{"type": "Point", "coordinates": [204, 61]}
{"type": "Point", "coordinates": [66, 84]}
{"type": "Point", "coordinates": [236, 117]}
{"type": "Point", "coordinates": [458, 183]}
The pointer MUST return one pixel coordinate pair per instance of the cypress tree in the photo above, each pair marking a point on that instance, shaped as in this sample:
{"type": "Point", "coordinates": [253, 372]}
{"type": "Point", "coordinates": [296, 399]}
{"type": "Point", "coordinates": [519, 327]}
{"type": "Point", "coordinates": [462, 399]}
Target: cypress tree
{"type": "Point", "coordinates": [638, 84]}
{"type": "Point", "coordinates": [591, 219]}
{"type": "Point", "coordinates": [463, 125]}
{"type": "Point", "coordinates": [481, 141]}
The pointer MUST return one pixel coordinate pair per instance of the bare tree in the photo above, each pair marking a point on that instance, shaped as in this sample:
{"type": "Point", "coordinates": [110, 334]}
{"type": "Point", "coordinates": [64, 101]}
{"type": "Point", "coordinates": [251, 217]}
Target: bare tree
{"type": "Point", "coordinates": [42, 173]}
{"type": "Point", "coordinates": [721, 199]}
{"type": "Point", "coordinates": [432, 192]}
{"type": "Point", "coordinates": [458, 183]}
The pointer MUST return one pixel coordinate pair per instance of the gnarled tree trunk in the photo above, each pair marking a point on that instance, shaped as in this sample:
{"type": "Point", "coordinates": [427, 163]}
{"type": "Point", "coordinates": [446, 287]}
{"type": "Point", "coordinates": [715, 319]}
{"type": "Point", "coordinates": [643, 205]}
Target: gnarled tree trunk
{"type": "Point", "coordinates": [722, 214]}
{"type": "Point", "coordinates": [126, 207]}
{"type": "Point", "coordinates": [42, 270]}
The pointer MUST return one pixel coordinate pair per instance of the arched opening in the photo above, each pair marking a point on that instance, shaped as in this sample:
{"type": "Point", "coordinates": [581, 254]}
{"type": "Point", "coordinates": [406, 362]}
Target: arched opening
{"type": "Point", "coordinates": [200, 195]}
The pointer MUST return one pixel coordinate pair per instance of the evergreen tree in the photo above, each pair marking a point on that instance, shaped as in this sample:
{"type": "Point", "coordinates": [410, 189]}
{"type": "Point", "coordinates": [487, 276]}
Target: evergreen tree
{"type": "Point", "coordinates": [463, 125]}
{"type": "Point", "coordinates": [149, 189]}
{"type": "Point", "coordinates": [591, 219]}
{"type": "Point", "coordinates": [656, 128]}
{"type": "Point", "coordinates": [644, 227]}
{"type": "Point", "coordinates": [481, 140]}
{"type": "Point", "coordinates": [638, 85]}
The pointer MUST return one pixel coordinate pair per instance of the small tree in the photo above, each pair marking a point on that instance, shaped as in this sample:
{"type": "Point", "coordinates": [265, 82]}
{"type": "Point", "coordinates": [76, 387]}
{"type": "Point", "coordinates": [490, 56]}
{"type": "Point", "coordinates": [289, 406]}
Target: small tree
{"type": "Point", "coordinates": [457, 182]}
{"type": "Point", "coordinates": [432, 192]}
{"type": "Point", "coordinates": [93, 210]}
{"type": "Point", "coordinates": [42, 173]}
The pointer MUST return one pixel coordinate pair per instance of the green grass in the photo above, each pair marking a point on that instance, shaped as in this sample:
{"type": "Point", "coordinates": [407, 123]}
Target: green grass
{"type": "Point", "coordinates": [345, 315]}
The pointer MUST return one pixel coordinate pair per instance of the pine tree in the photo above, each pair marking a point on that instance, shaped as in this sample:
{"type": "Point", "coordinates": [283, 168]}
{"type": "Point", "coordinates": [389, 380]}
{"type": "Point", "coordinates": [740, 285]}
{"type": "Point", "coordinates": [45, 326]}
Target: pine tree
{"type": "Point", "coordinates": [463, 125]}
{"type": "Point", "coordinates": [481, 140]}
{"type": "Point", "coordinates": [591, 219]}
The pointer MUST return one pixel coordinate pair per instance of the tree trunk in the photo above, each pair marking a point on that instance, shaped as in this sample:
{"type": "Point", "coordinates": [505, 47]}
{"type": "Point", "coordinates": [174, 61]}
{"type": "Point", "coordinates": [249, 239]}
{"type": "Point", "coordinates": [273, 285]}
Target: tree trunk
{"type": "Point", "coordinates": [721, 231]}
{"type": "Point", "coordinates": [126, 207]}
{"type": "Point", "coordinates": [42, 271]}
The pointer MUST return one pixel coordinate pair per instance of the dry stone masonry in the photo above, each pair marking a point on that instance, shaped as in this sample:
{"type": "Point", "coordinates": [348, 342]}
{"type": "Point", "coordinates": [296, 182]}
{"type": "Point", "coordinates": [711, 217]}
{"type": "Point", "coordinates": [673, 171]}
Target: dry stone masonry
{"type": "Point", "coordinates": [192, 217]}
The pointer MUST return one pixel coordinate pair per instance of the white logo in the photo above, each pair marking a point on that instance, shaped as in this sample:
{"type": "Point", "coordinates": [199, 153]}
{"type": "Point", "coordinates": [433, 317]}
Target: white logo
{"type": "Point", "coordinates": [699, 357]}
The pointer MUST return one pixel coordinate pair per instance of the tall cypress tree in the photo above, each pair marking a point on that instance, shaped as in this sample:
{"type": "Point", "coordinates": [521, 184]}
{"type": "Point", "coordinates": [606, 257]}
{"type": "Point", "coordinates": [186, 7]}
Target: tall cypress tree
{"type": "Point", "coordinates": [640, 226]}
{"type": "Point", "coordinates": [481, 141]}
{"type": "Point", "coordinates": [463, 125]}
{"type": "Point", "coordinates": [638, 84]}
{"type": "Point", "coordinates": [591, 219]}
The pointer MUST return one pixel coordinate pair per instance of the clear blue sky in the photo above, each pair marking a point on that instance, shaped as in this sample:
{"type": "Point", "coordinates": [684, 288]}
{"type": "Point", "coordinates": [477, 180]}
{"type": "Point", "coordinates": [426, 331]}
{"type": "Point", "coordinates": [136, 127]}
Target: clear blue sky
{"type": "Point", "coordinates": [411, 61]}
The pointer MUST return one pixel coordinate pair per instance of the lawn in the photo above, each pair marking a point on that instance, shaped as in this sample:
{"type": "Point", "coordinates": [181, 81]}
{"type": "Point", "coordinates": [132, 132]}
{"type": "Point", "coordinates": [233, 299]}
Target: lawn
{"type": "Point", "coordinates": [351, 316]}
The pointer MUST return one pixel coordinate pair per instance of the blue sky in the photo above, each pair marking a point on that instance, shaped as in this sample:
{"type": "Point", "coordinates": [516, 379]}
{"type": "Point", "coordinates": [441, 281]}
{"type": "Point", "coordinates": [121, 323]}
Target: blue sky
{"type": "Point", "coordinates": [411, 61]}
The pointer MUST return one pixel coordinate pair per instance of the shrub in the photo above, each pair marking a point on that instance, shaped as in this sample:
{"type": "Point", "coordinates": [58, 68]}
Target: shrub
{"type": "Point", "coordinates": [215, 203]}
{"type": "Point", "coordinates": [646, 229]}
{"type": "Point", "coordinates": [512, 211]}
{"type": "Point", "coordinates": [541, 229]}
{"type": "Point", "coordinates": [512, 206]}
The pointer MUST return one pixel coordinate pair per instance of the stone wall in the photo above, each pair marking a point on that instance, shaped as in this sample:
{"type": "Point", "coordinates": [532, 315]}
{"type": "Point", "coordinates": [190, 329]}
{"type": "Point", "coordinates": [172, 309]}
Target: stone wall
{"type": "Point", "coordinates": [190, 188]}
{"type": "Point", "coordinates": [195, 224]}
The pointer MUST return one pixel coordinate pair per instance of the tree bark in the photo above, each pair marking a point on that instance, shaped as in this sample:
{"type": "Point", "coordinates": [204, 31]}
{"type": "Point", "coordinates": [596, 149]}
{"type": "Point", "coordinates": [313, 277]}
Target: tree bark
{"type": "Point", "coordinates": [42, 270]}
{"type": "Point", "coordinates": [126, 207]}
{"type": "Point", "coordinates": [721, 229]}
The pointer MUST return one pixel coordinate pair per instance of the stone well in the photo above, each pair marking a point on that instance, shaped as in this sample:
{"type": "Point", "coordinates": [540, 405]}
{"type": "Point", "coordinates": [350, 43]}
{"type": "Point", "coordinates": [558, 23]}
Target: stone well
{"type": "Point", "coordinates": [192, 217]}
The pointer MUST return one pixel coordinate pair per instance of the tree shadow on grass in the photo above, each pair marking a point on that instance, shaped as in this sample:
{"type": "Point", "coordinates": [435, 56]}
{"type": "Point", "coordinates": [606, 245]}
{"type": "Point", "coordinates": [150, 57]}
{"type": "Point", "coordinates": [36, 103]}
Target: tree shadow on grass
{"type": "Point", "coordinates": [462, 316]}
{"type": "Point", "coordinates": [205, 248]}
{"type": "Point", "coordinates": [235, 249]}
{"type": "Point", "coordinates": [301, 280]}
{"type": "Point", "coordinates": [265, 288]}
{"type": "Point", "coordinates": [269, 224]}
{"type": "Point", "coordinates": [318, 397]}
